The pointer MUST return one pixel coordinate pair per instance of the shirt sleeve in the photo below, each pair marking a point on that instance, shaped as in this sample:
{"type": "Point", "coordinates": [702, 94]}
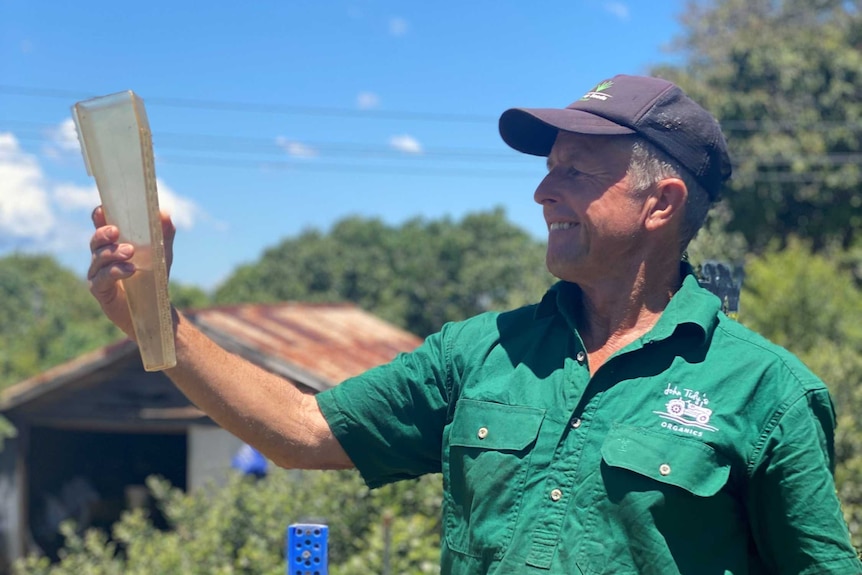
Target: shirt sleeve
{"type": "Point", "coordinates": [390, 419]}
{"type": "Point", "coordinates": [794, 510]}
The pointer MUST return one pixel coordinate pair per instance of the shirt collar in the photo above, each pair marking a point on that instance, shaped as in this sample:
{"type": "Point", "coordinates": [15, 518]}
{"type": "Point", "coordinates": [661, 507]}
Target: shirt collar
{"type": "Point", "coordinates": [691, 306]}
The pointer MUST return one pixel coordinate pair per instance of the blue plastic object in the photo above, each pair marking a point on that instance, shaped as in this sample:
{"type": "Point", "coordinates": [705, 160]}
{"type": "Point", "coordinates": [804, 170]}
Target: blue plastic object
{"type": "Point", "coordinates": [306, 549]}
{"type": "Point", "coordinates": [250, 461]}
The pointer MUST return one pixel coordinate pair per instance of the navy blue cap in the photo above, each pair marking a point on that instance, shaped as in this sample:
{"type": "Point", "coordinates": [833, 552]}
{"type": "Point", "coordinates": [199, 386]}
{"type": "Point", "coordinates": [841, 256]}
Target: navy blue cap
{"type": "Point", "coordinates": [655, 109]}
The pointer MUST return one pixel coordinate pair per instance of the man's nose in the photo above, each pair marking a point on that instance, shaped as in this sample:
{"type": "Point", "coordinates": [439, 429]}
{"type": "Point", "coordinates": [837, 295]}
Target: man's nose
{"type": "Point", "coordinates": [545, 192]}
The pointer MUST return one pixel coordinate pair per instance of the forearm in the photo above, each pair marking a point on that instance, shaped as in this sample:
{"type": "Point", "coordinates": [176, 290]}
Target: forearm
{"type": "Point", "coordinates": [261, 408]}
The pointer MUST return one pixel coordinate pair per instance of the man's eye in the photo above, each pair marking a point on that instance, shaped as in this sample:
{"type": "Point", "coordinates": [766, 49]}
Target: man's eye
{"type": "Point", "coordinates": [572, 172]}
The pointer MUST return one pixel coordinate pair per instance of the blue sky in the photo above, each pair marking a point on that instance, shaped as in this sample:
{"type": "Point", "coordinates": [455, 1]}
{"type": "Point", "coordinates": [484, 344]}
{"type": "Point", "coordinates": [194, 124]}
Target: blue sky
{"type": "Point", "coordinates": [273, 117]}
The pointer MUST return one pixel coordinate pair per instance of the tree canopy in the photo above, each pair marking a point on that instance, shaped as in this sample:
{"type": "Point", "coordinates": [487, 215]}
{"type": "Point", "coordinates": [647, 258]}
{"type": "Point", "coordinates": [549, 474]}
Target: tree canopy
{"type": "Point", "coordinates": [810, 304]}
{"type": "Point", "coordinates": [47, 316]}
{"type": "Point", "coordinates": [417, 275]}
{"type": "Point", "coordinates": [783, 77]}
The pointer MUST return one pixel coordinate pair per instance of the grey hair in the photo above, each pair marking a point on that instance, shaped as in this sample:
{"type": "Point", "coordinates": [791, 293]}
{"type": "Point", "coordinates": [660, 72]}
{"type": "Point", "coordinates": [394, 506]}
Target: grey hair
{"type": "Point", "coordinates": [649, 165]}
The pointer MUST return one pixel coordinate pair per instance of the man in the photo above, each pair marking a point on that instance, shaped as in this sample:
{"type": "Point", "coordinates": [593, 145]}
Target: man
{"type": "Point", "coordinates": [621, 425]}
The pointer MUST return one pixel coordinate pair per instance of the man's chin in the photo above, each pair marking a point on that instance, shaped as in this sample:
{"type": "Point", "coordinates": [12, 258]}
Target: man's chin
{"type": "Point", "coordinates": [561, 270]}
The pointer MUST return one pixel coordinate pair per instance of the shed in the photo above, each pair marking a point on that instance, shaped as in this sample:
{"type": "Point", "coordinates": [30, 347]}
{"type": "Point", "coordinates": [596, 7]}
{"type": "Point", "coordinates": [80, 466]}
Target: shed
{"type": "Point", "coordinates": [91, 430]}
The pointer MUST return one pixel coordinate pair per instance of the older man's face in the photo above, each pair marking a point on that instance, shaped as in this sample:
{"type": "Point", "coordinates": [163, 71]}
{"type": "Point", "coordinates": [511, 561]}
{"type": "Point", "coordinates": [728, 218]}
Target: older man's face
{"type": "Point", "coordinates": [594, 219]}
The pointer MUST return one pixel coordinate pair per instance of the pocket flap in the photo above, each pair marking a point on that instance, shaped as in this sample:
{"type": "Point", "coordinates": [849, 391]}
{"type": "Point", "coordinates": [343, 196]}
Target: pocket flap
{"type": "Point", "coordinates": [489, 425]}
{"type": "Point", "coordinates": [686, 463]}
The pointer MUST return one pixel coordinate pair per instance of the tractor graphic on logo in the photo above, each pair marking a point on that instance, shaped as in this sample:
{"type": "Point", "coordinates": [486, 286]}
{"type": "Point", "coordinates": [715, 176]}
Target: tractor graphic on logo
{"type": "Point", "coordinates": [680, 408]}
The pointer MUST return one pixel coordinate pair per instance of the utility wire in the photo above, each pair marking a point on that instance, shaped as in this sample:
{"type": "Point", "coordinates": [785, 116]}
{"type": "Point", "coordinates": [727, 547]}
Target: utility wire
{"type": "Point", "coordinates": [264, 146]}
{"type": "Point", "coordinates": [235, 106]}
{"type": "Point", "coordinates": [342, 168]}
{"type": "Point", "coordinates": [765, 125]}
{"type": "Point", "coordinates": [771, 126]}
{"type": "Point", "coordinates": [271, 146]}
{"type": "Point", "coordinates": [294, 164]}
{"type": "Point", "coordinates": [333, 167]}
{"type": "Point", "coordinates": [211, 144]}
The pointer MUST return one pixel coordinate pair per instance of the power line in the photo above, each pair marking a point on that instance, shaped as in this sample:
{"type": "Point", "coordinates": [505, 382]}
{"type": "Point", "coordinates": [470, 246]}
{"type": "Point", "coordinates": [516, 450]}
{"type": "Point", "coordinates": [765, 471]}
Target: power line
{"type": "Point", "coordinates": [764, 125]}
{"type": "Point", "coordinates": [271, 146]}
{"type": "Point", "coordinates": [342, 168]}
{"type": "Point", "coordinates": [293, 166]}
{"type": "Point", "coordinates": [313, 165]}
{"type": "Point", "coordinates": [263, 147]}
{"type": "Point", "coordinates": [208, 150]}
{"type": "Point", "coordinates": [783, 178]}
{"type": "Point", "coordinates": [246, 145]}
{"type": "Point", "coordinates": [831, 159]}
{"type": "Point", "coordinates": [772, 126]}
{"type": "Point", "coordinates": [203, 142]}
{"type": "Point", "coordinates": [263, 108]}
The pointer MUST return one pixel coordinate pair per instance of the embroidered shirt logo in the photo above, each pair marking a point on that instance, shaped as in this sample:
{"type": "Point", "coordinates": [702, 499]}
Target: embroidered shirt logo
{"type": "Point", "coordinates": [598, 93]}
{"type": "Point", "coordinates": [688, 408]}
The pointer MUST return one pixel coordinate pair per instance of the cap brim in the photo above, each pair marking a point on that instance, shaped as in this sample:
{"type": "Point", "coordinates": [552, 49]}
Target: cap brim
{"type": "Point", "coordinates": [534, 130]}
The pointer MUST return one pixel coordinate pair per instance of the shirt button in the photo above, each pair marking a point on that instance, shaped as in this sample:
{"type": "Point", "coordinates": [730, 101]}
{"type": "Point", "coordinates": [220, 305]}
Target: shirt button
{"type": "Point", "coordinates": [664, 469]}
{"type": "Point", "coordinates": [576, 422]}
{"type": "Point", "coordinates": [483, 432]}
{"type": "Point", "coordinates": [556, 495]}
{"type": "Point", "coordinates": [580, 357]}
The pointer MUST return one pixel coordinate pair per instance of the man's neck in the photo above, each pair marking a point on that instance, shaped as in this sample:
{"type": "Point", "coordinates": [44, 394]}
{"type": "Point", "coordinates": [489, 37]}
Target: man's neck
{"type": "Point", "coordinates": [616, 311]}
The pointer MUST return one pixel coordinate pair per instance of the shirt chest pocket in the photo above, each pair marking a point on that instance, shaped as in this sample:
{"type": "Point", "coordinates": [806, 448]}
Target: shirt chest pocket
{"type": "Point", "coordinates": [664, 496]}
{"type": "Point", "coordinates": [489, 447]}
{"type": "Point", "coordinates": [688, 464]}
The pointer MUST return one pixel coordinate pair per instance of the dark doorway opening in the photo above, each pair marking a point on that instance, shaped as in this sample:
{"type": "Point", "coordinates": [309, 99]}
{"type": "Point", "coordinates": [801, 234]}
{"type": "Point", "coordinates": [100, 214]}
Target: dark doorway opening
{"type": "Point", "coordinates": [92, 477]}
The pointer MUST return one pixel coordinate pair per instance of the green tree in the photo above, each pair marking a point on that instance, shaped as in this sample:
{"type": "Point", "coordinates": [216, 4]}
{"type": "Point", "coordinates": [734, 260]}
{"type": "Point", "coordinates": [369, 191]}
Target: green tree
{"type": "Point", "coordinates": [810, 304]}
{"type": "Point", "coordinates": [240, 528]}
{"type": "Point", "coordinates": [715, 242]}
{"type": "Point", "coordinates": [783, 78]}
{"type": "Point", "coordinates": [47, 316]}
{"type": "Point", "coordinates": [417, 275]}
{"type": "Point", "coordinates": [185, 296]}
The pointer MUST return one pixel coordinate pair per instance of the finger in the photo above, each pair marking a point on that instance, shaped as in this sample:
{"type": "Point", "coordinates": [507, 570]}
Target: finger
{"type": "Point", "coordinates": [111, 255]}
{"type": "Point", "coordinates": [103, 283]}
{"type": "Point", "coordinates": [104, 236]}
{"type": "Point", "coordinates": [98, 217]}
{"type": "Point", "coordinates": [169, 231]}
{"type": "Point", "coordinates": [108, 290]}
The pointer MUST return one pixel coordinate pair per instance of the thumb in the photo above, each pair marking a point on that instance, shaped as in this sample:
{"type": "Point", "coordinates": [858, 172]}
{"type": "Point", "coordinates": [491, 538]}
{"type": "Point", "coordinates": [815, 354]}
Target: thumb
{"type": "Point", "coordinates": [169, 232]}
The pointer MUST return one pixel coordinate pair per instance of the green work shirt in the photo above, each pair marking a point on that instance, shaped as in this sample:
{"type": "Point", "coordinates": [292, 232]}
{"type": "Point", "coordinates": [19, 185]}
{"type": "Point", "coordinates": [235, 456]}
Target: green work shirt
{"type": "Point", "coordinates": [700, 448]}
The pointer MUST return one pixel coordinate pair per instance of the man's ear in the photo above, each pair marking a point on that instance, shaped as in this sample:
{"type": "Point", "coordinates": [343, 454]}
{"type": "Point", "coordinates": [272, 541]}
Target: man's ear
{"type": "Point", "coordinates": [666, 202]}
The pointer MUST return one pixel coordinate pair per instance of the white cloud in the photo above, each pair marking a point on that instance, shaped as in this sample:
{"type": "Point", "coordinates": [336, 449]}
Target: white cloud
{"type": "Point", "coordinates": [295, 149]}
{"type": "Point", "coordinates": [405, 143]}
{"type": "Point", "coordinates": [367, 100]}
{"type": "Point", "coordinates": [65, 136]}
{"type": "Point", "coordinates": [38, 214]}
{"type": "Point", "coordinates": [25, 209]}
{"type": "Point", "coordinates": [398, 26]}
{"type": "Point", "coordinates": [72, 197]}
{"type": "Point", "coordinates": [183, 211]}
{"type": "Point", "coordinates": [63, 140]}
{"type": "Point", "coordinates": [618, 9]}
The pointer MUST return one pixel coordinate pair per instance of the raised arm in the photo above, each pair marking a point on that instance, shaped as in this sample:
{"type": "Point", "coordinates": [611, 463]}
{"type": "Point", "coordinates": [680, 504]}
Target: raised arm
{"type": "Point", "coordinates": [263, 409]}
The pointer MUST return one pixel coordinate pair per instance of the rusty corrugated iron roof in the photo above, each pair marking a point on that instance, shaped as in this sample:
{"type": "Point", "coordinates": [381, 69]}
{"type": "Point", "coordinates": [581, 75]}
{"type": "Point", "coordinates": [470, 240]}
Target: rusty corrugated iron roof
{"type": "Point", "coordinates": [316, 345]}
{"type": "Point", "coordinates": [328, 342]}
{"type": "Point", "coordinates": [65, 373]}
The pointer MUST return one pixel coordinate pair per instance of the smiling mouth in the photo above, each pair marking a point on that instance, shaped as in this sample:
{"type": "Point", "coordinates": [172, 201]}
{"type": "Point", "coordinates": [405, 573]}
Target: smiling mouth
{"type": "Point", "coordinates": [561, 226]}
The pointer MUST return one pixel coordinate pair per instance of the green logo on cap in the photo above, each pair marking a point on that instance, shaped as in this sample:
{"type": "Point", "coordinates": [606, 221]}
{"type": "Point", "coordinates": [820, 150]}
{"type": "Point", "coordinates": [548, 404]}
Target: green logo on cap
{"type": "Point", "coordinates": [597, 93]}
